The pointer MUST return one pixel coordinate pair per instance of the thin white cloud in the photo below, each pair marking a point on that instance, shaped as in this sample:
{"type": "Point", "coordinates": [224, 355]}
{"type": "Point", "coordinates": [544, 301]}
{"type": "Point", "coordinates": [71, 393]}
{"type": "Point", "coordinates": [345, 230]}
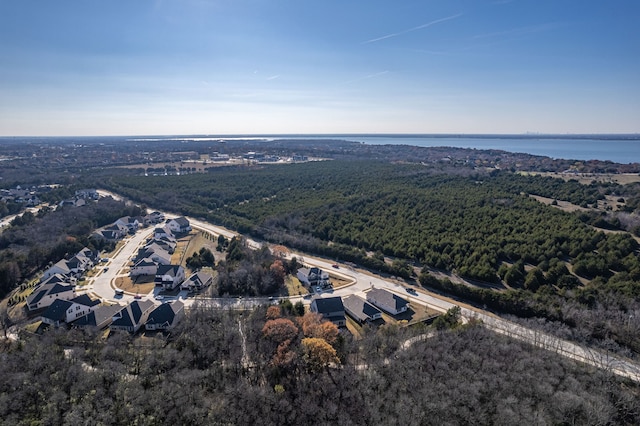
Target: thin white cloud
{"type": "Point", "coordinates": [419, 27]}
{"type": "Point", "coordinates": [273, 77]}
{"type": "Point", "coordinates": [367, 77]}
{"type": "Point", "coordinates": [518, 31]}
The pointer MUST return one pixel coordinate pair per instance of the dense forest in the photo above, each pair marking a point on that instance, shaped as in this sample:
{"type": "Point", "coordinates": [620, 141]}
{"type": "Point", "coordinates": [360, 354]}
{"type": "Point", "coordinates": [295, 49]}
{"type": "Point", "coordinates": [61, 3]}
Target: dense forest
{"type": "Point", "coordinates": [400, 218]}
{"type": "Point", "coordinates": [269, 366]}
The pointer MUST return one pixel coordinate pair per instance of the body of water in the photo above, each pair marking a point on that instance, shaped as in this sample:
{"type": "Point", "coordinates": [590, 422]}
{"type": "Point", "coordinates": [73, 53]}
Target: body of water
{"type": "Point", "coordinates": [619, 150]}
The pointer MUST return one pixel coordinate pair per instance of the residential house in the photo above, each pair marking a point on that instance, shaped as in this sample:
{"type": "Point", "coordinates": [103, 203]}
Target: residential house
{"type": "Point", "coordinates": [79, 264]}
{"type": "Point", "coordinates": [59, 268]}
{"type": "Point", "coordinates": [162, 232]}
{"type": "Point", "coordinates": [330, 308]}
{"type": "Point", "coordinates": [387, 301]}
{"type": "Point", "coordinates": [179, 225]}
{"type": "Point", "coordinates": [73, 202]}
{"type": "Point", "coordinates": [112, 232]}
{"type": "Point", "coordinates": [156, 253]}
{"type": "Point", "coordinates": [84, 260]}
{"type": "Point", "coordinates": [58, 278]}
{"type": "Point", "coordinates": [313, 276]}
{"type": "Point", "coordinates": [360, 310]}
{"type": "Point", "coordinates": [100, 318]}
{"type": "Point", "coordinates": [90, 194]}
{"type": "Point", "coordinates": [133, 316]}
{"type": "Point", "coordinates": [153, 218]}
{"type": "Point", "coordinates": [197, 281]}
{"type": "Point", "coordinates": [92, 255]}
{"type": "Point", "coordinates": [167, 243]}
{"type": "Point", "coordinates": [165, 316]}
{"type": "Point", "coordinates": [45, 294]}
{"type": "Point", "coordinates": [132, 223]}
{"type": "Point", "coordinates": [65, 311]}
{"type": "Point", "coordinates": [169, 276]}
{"type": "Point", "coordinates": [144, 266]}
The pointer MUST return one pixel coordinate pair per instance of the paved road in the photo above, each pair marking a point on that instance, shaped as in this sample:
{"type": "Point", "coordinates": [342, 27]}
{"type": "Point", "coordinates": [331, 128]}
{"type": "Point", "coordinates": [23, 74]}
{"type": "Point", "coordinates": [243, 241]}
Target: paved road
{"type": "Point", "coordinates": [361, 282]}
{"type": "Point", "coordinates": [102, 285]}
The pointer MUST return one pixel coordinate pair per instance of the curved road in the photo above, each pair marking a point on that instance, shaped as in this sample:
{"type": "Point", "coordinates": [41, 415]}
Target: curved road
{"type": "Point", "coordinates": [102, 287]}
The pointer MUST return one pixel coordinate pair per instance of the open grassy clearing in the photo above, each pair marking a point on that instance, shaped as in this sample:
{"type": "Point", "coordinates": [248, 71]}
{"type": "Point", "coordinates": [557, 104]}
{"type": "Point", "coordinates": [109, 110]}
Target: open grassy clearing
{"type": "Point", "coordinates": [587, 178]}
{"type": "Point", "coordinates": [142, 284]}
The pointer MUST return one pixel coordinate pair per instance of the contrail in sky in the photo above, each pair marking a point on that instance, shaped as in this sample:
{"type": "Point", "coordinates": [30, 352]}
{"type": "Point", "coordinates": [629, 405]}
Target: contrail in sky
{"type": "Point", "coordinates": [419, 27]}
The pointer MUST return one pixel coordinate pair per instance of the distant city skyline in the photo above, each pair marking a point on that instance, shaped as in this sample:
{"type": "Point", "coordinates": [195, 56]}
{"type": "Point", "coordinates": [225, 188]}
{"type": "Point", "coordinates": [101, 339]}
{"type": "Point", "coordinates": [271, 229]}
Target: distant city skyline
{"type": "Point", "coordinates": [182, 67]}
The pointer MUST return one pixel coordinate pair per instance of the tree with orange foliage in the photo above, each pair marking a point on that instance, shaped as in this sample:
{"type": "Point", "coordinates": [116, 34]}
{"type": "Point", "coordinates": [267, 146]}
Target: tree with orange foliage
{"type": "Point", "coordinates": [279, 330]}
{"type": "Point", "coordinates": [283, 356]}
{"type": "Point", "coordinates": [278, 272]}
{"type": "Point", "coordinates": [313, 326]}
{"type": "Point", "coordinates": [318, 354]}
{"type": "Point", "coordinates": [273, 312]}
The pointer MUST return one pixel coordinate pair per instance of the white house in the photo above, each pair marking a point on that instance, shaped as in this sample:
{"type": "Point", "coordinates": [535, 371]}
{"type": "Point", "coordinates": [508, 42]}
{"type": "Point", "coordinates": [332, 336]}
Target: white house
{"type": "Point", "coordinates": [313, 276]}
{"type": "Point", "coordinates": [45, 294]}
{"type": "Point", "coordinates": [133, 316]}
{"type": "Point", "coordinates": [197, 281]}
{"type": "Point", "coordinates": [156, 253]}
{"type": "Point", "coordinates": [154, 217]}
{"type": "Point", "coordinates": [169, 276]}
{"type": "Point", "coordinates": [59, 268]}
{"type": "Point", "coordinates": [144, 266]}
{"type": "Point", "coordinates": [162, 232]}
{"type": "Point", "coordinates": [132, 223]}
{"type": "Point", "coordinates": [179, 225]}
{"type": "Point", "coordinates": [66, 311]}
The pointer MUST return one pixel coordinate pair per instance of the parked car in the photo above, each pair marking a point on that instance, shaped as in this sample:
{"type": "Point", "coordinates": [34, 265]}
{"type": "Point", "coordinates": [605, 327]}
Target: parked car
{"type": "Point", "coordinates": [335, 265]}
{"type": "Point", "coordinates": [411, 290]}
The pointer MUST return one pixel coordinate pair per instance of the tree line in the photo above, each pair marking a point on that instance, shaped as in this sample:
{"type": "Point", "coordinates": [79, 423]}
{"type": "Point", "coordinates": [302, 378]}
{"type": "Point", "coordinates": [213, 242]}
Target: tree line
{"type": "Point", "coordinates": [268, 366]}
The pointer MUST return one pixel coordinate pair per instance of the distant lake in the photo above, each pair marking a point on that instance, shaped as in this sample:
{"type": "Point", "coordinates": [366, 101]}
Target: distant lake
{"type": "Point", "coordinates": [575, 148]}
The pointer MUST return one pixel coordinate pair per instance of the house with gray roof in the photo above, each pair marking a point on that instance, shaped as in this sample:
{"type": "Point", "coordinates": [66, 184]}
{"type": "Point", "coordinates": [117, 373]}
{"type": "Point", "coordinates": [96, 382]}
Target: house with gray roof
{"type": "Point", "coordinates": [133, 316]}
{"type": "Point", "coordinates": [144, 266]}
{"type": "Point", "coordinates": [330, 308]}
{"type": "Point", "coordinates": [360, 310]}
{"type": "Point", "coordinates": [65, 311]}
{"type": "Point", "coordinates": [387, 301]}
{"type": "Point", "coordinates": [132, 223]}
{"type": "Point", "coordinates": [169, 276]}
{"type": "Point", "coordinates": [45, 294]}
{"type": "Point", "coordinates": [156, 253]}
{"type": "Point", "coordinates": [154, 217]}
{"type": "Point", "coordinates": [197, 281]}
{"type": "Point", "coordinates": [165, 316]}
{"type": "Point", "coordinates": [99, 318]}
{"type": "Point", "coordinates": [59, 268]}
{"type": "Point", "coordinates": [179, 225]}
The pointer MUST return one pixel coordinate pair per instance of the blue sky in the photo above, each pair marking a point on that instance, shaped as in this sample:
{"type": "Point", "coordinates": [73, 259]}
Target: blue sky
{"type": "Point", "coordinates": [151, 67]}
